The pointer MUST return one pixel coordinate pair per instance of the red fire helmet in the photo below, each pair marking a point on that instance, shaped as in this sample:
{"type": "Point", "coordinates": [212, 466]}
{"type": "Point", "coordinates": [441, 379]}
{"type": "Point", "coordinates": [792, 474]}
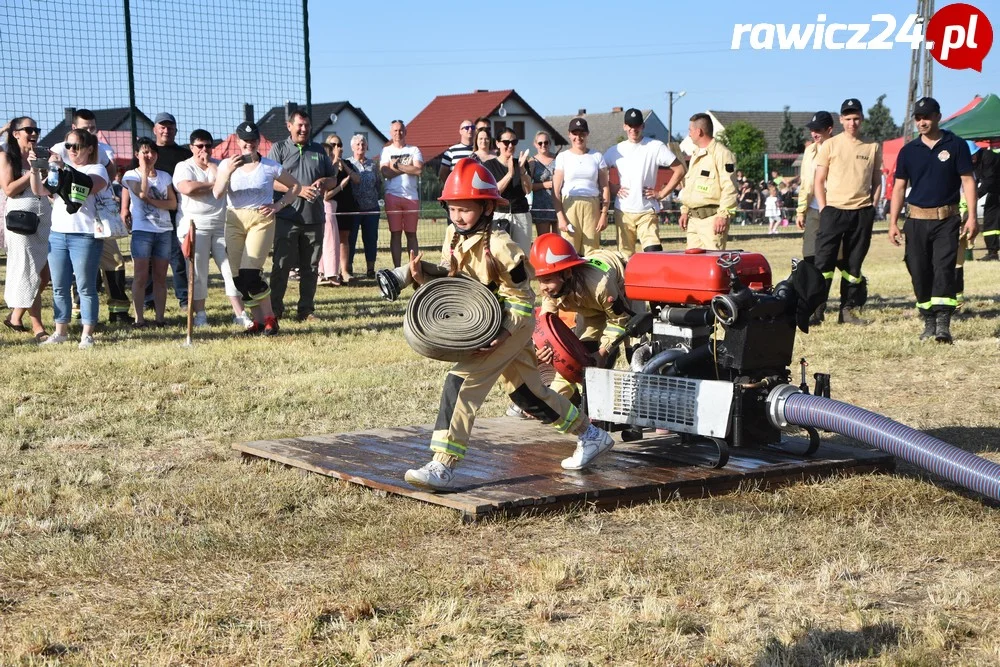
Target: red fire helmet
{"type": "Point", "coordinates": [470, 180]}
{"type": "Point", "coordinates": [552, 253]}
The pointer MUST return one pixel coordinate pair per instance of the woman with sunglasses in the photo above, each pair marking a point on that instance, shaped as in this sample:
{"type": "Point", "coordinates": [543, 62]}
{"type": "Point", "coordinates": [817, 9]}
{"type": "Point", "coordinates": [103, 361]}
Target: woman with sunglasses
{"type": "Point", "coordinates": [540, 168]}
{"type": "Point", "coordinates": [27, 254]}
{"type": "Point", "coordinates": [194, 179]}
{"type": "Point", "coordinates": [73, 250]}
{"type": "Point", "coordinates": [346, 206]}
{"type": "Point", "coordinates": [511, 175]}
{"type": "Point", "coordinates": [366, 196]}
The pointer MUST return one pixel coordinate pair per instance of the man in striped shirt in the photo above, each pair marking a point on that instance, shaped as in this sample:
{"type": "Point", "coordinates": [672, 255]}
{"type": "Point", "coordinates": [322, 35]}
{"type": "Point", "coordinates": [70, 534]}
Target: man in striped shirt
{"type": "Point", "coordinates": [463, 148]}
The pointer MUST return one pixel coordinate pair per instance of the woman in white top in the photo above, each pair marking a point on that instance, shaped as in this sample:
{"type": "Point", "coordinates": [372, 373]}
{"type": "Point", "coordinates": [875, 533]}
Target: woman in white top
{"type": "Point", "coordinates": [151, 199]}
{"type": "Point", "coordinates": [248, 180]}
{"type": "Point", "coordinates": [73, 250]}
{"type": "Point", "coordinates": [581, 194]}
{"type": "Point", "coordinates": [27, 254]}
{"type": "Point", "coordinates": [194, 179]}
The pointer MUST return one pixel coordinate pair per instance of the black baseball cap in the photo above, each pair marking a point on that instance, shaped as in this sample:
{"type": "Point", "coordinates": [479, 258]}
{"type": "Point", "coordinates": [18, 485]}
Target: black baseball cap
{"type": "Point", "coordinates": [851, 105]}
{"type": "Point", "coordinates": [579, 125]}
{"type": "Point", "coordinates": [821, 120]}
{"type": "Point", "coordinates": [247, 131]}
{"type": "Point", "coordinates": [633, 117]}
{"type": "Point", "coordinates": [926, 106]}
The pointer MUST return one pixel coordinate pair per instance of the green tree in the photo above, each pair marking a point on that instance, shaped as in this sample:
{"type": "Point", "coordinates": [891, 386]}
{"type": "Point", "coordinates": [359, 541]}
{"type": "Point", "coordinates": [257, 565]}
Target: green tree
{"type": "Point", "coordinates": [747, 142]}
{"type": "Point", "coordinates": [790, 139]}
{"type": "Point", "coordinates": [878, 124]}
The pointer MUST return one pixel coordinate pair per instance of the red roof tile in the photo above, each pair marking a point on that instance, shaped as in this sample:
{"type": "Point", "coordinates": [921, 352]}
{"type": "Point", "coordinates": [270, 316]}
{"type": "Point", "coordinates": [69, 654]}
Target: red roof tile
{"type": "Point", "coordinates": [435, 128]}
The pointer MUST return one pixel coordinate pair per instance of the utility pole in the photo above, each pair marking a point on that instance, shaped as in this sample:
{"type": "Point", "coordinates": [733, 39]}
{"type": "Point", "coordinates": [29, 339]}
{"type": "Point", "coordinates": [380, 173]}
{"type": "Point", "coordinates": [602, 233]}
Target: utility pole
{"type": "Point", "coordinates": [921, 82]}
{"type": "Point", "coordinates": [672, 95]}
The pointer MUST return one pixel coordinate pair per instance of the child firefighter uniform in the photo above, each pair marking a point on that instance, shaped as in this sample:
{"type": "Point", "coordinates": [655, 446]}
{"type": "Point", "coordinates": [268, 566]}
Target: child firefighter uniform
{"type": "Point", "coordinates": [490, 256]}
{"type": "Point", "coordinates": [592, 287]}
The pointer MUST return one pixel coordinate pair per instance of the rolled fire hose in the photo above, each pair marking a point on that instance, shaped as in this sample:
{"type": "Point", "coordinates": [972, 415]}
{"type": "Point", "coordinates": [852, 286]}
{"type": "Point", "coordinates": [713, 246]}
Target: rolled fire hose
{"type": "Point", "coordinates": [788, 405]}
{"type": "Point", "coordinates": [450, 318]}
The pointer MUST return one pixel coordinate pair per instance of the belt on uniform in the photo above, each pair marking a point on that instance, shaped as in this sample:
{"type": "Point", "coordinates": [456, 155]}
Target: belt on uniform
{"type": "Point", "coordinates": [702, 212]}
{"type": "Point", "coordinates": [934, 213]}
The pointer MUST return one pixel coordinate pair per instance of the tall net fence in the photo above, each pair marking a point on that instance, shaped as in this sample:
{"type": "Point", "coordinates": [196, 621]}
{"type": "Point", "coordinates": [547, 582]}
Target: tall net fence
{"type": "Point", "coordinates": [200, 61]}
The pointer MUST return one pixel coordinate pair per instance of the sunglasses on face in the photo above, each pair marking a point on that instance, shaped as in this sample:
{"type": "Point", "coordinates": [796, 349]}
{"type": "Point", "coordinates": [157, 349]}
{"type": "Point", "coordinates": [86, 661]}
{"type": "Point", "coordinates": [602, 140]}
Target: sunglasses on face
{"type": "Point", "coordinates": [508, 142]}
{"type": "Point", "coordinates": [201, 146]}
{"type": "Point", "coordinates": [73, 147]}
{"type": "Point", "coordinates": [29, 130]}
{"type": "Point", "coordinates": [335, 145]}
{"type": "Point", "coordinates": [466, 127]}
{"type": "Point", "coordinates": [542, 143]}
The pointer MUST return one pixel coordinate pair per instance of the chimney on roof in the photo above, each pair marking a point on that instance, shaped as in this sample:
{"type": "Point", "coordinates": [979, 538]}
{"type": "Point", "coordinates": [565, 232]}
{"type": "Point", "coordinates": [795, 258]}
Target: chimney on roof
{"type": "Point", "coordinates": [248, 113]}
{"type": "Point", "coordinates": [289, 108]}
{"type": "Point", "coordinates": [616, 109]}
{"type": "Point", "coordinates": [581, 112]}
{"type": "Point", "coordinates": [68, 112]}
{"type": "Point", "coordinates": [482, 90]}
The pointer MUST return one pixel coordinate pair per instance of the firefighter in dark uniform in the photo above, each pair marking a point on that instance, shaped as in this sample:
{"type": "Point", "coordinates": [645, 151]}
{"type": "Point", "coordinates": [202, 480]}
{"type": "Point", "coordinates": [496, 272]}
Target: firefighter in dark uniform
{"type": "Point", "coordinates": [987, 165]}
{"type": "Point", "coordinates": [935, 165]}
{"type": "Point", "coordinates": [848, 184]}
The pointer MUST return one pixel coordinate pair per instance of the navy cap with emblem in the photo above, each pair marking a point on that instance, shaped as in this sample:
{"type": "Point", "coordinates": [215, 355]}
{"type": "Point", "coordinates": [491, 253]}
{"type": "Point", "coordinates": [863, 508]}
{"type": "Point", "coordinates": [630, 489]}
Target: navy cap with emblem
{"type": "Point", "coordinates": [926, 106]}
{"type": "Point", "coordinates": [247, 131]}
{"type": "Point", "coordinates": [851, 105]}
{"type": "Point", "coordinates": [633, 118]}
{"type": "Point", "coordinates": [579, 125]}
{"type": "Point", "coordinates": [821, 120]}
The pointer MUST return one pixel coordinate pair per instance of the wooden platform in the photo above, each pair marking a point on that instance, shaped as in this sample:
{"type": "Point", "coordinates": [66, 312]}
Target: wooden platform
{"type": "Point", "coordinates": [513, 467]}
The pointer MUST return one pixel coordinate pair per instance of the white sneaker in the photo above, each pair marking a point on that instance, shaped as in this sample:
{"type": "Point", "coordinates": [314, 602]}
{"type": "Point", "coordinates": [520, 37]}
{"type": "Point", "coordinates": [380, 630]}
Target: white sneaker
{"type": "Point", "coordinates": [86, 342]}
{"type": "Point", "coordinates": [435, 476]}
{"type": "Point", "coordinates": [591, 444]}
{"type": "Point", "coordinates": [201, 319]}
{"type": "Point", "coordinates": [243, 320]}
{"type": "Point", "coordinates": [55, 339]}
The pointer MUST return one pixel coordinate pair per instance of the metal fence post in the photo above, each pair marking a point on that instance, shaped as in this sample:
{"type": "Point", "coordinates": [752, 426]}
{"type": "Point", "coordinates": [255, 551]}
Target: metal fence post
{"type": "Point", "coordinates": [305, 29]}
{"type": "Point", "coordinates": [132, 111]}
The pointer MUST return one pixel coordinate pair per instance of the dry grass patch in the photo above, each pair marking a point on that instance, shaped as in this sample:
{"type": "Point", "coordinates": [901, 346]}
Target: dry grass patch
{"type": "Point", "coordinates": [129, 534]}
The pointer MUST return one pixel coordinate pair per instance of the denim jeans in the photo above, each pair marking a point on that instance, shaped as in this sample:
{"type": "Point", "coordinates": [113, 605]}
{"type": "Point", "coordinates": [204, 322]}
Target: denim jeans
{"type": "Point", "coordinates": [150, 245]}
{"type": "Point", "coordinates": [78, 254]}
{"type": "Point", "coordinates": [368, 224]}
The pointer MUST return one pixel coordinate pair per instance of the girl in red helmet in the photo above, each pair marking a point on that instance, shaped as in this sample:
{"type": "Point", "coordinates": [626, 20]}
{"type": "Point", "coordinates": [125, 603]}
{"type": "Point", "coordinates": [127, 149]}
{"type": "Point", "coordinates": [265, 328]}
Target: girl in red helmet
{"type": "Point", "coordinates": [593, 287]}
{"type": "Point", "coordinates": [491, 257]}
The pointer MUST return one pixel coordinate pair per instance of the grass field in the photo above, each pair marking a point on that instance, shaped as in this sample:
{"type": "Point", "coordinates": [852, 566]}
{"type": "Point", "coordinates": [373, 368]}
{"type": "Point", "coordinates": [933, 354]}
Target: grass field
{"type": "Point", "coordinates": [129, 535]}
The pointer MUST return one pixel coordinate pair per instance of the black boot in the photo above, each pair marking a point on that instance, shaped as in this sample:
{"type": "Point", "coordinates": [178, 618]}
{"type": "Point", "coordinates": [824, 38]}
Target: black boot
{"type": "Point", "coordinates": [818, 315]}
{"type": "Point", "coordinates": [930, 325]}
{"type": "Point", "coordinates": [850, 316]}
{"type": "Point", "coordinates": [991, 256]}
{"type": "Point", "coordinates": [942, 332]}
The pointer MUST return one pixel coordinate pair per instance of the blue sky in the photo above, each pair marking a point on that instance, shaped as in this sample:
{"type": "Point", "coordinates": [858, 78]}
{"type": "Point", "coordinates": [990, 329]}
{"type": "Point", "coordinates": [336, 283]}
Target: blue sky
{"type": "Point", "coordinates": [562, 56]}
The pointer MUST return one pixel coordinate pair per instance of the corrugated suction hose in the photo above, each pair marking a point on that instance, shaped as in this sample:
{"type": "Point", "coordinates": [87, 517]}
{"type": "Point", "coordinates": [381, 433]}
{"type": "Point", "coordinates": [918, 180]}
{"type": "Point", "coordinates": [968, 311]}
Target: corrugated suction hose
{"type": "Point", "coordinates": [787, 405]}
{"type": "Point", "coordinates": [450, 318]}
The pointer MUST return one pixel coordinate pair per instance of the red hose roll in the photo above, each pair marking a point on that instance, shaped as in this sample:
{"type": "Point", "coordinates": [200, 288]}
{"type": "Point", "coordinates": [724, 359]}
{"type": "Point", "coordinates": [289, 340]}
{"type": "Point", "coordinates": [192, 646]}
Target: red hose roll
{"type": "Point", "coordinates": [570, 357]}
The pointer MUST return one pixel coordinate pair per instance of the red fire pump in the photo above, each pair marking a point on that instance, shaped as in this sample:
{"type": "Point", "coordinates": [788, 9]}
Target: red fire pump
{"type": "Point", "coordinates": [717, 337]}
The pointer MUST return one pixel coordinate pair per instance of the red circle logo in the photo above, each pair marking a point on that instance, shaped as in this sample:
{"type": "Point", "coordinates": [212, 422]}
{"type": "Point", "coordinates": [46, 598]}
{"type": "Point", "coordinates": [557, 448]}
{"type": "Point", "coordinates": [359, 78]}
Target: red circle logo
{"type": "Point", "coordinates": [959, 36]}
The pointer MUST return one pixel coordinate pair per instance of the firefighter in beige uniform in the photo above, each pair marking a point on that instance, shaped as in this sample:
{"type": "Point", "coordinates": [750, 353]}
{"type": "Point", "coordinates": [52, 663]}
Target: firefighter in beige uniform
{"type": "Point", "coordinates": [592, 287]}
{"type": "Point", "coordinates": [708, 200]}
{"type": "Point", "coordinates": [490, 256]}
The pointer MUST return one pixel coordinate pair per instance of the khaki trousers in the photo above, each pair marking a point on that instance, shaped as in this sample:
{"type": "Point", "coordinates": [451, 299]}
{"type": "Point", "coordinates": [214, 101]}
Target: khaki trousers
{"type": "Point", "coordinates": [249, 238]}
{"type": "Point", "coordinates": [701, 234]}
{"type": "Point", "coordinates": [469, 382]}
{"type": "Point", "coordinates": [637, 226]}
{"type": "Point", "coordinates": [583, 214]}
